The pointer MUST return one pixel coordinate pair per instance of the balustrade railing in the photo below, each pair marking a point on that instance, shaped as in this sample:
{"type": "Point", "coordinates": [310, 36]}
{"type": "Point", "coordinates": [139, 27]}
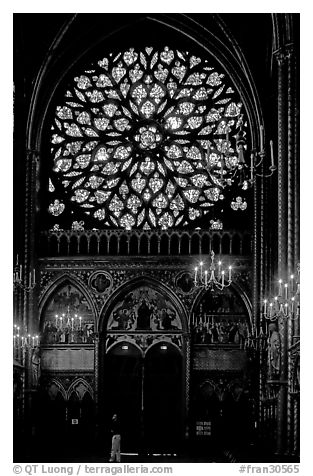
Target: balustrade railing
{"type": "Point", "coordinates": [140, 242]}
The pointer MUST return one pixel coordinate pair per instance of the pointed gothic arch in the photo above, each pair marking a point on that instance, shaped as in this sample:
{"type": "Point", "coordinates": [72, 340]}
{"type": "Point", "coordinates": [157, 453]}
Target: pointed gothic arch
{"type": "Point", "coordinates": [57, 284]}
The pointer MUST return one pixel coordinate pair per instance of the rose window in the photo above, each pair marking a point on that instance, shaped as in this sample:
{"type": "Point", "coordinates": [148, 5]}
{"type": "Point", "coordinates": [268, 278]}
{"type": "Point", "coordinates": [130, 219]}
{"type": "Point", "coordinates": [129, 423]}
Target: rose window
{"type": "Point", "coordinates": [144, 139]}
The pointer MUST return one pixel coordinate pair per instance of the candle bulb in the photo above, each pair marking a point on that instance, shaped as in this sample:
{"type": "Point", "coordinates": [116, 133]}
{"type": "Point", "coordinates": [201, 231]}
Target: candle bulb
{"type": "Point", "coordinates": [265, 307]}
{"type": "Point", "coordinates": [272, 154]}
{"type": "Point", "coordinates": [280, 292]}
{"type": "Point", "coordinates": [56, 320]}
{"type": "Point", "coordinates": [223, 275]}
{"type": "Point", "coordinates": [20, 272]}
{"type": "Point", "coordinates": [196, 272]}
{"type": "Point", "coordinates": [33, 339]}
{"type": "Point", "coordinates": [276, 303]}
{"type": "Point", "coordinates": [34, 276]}
{"type": "Point", "coordinates": [292, 304]}
{"type": "Point", "coordinates": [271, 309]}
{"type": "Point", "coordinates": [72, 323]}
{"type": "Point", "coordinates": [201, 270]}
{"type": "Point", "coordinates": [80, 322]}
{"type": "Point", "coordinates": [219, 269]}
{"type": "Point", "coordinates": [229, 274]}
{"type": "Point", "coordinates": [206, 277]}
{"type": "Point", "coordinates": [30, 278]}
{"type": "Point", "coordinates": [37, 340]}
{"type": "Point", "coordinates": [14, 342]}
{"type": "Point", "coordinates": [16, 261]}
{"type": "Point", "coordinates": [261, 138]}
{"type": "Point", "coordinates": [291, 282]}
{"type": "Point", "coordinates": [286, 291]}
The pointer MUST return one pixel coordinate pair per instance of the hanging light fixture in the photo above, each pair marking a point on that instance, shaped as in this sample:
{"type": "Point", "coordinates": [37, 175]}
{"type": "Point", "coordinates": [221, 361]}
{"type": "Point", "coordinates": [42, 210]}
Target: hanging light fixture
{"type": "Point", "coordinates": [286, 304]}
{"type": "Point", "coordinates": [231, 167]}
{"type": "Point", "coordinates": [214, 276]}
{"type": "Point", "coordinates": [21, 279]}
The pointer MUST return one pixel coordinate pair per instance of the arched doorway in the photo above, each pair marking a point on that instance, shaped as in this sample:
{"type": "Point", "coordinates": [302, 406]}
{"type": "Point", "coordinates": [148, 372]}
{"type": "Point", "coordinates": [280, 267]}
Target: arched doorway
{"type": "Point", "coordinates": [162, 397]}
{"type": "Point", "coordinates": [142, 368]}
{"type": "Point", "coordinates": [123, 374]}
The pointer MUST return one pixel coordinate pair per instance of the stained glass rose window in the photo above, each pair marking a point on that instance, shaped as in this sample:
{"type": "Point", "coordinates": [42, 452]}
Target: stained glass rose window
{"type": "Point", "coordinates": [145, 139]}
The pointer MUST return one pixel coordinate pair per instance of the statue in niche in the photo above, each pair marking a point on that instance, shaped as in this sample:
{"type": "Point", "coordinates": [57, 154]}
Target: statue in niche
{"type": "Point", "coordinates": [35, 360]}
{"type": "Point", "coordinates": [143, 319]}
{"type": "Point", "coordinates": [274, 350]}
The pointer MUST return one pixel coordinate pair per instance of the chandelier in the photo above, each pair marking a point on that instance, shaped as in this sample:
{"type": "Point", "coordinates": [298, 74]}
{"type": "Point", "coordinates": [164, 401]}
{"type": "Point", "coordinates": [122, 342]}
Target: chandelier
{"type": "Point", "coordinates": [212, 277]}
{"type": "Point", "coordinates": [21, 279]}
{"type": "Point", "coordinates": [231, 167]}
{"type": "Point", "coordinates": [68, 321]}
{"type": "Point", "coordinates": [286, 304]}
{"type": "Point", "coordinates": [23, 342]}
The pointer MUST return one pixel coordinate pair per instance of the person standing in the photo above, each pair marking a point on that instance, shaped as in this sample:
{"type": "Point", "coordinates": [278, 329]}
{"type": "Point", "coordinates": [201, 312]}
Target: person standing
{"type": "Point", "coordinates": [116, 440]}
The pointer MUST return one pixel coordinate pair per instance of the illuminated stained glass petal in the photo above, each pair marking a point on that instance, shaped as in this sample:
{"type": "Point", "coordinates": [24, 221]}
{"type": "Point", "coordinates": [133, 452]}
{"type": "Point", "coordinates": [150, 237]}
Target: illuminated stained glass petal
{"type": "Point", "coordinates": [147, 109]}
{"type": "Point", "coordinates": [194, 213]}
{"type": "Point", "coordinates": [56, 208]}
{"type": "Point", "coordinates": [160, 201]}
{"type": "Point", "coordinates": [212, 194]}
{"type": "Point", "coordinates": [116, 204]}
{"type": "Point", "coordinates": [195, 122]}
{"type": "Point", "coordinates": [156, 184]}
{"type": "Point", "coordinates": [177, 203]}
{"type": "Point", "coordinates": [109, 109]}
{"type": "Point", "coordinates": [84, 118]}
{"type": "Point", "coordinates": [81, 195]}
{"type": "Point", "coordinates": [62, 165]}
{"type": "Point", "coordinates": [174, 152]}
{"type": "Point", "coordinates": [100, 214]}
{"type": "Point", "coordinates": [118, 72]}
{"type": "Point", "coordinates": [64, 112]}
{"type": "Point", "coordinates": [173, 122]}
{"type": "Point", "coordinates": [101, 123]}
{"type": "Point", "coordinates": [110, 168]}
{"type": "Point", "coordinates": [72, 130]}
{"type": "Point", "coordinates": [192, 195]}
{"type": "Point", "coordinates": [95, 96]}
{"type": "Point", "coordinates": [101, 196]}
{"type": "Point", "coordinates": [166, 221]}
{"type": "Point", "coordinates": [199, 180]}
{"type": "Point", "coordinates": [122, 152]}
{"type": "Point", "coordinates": [147, 167]}
{"type": "Point", "coordinates": [186, 108]}
{"type": "Point", "coordinates": [130, 56]}
{"type": "Point", "coordinates": [167, 55]}
{"type": "Point", "coordinates": [185, 167]}
{"type": "Point", "coordinates": [133, 203]}
{"type": "Point", "coordinates": [214, 79]}
{"type": "Point", "coordinates": [103, 81]}
{"type": "Point", "coordinates": [83, 160]}
{"type": "Point", "coordinates": [233, 110]}
{"type": "Point", "coordinates": [83, 82]}
{"type": "Point", "coordinates": [102, 154]}
{"type": "Point", "coordinates": [127, 221]}
{"type": "Point", "coordinates": [139, 93]}
{"type": "Point", "coordinates": [138, 184]}
{"type": "Point", "coordinates": [122, 124]}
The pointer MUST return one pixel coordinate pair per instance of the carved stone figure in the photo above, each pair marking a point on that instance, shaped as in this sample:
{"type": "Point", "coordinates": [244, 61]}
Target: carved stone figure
{"type": "Point", "coordinates": [274, 349]}
{"type": "Point", "coordinates": [35, 360]}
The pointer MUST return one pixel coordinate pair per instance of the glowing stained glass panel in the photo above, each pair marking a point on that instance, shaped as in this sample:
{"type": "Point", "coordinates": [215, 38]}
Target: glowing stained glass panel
{"type": "Point", "coordinates": [139, 138]}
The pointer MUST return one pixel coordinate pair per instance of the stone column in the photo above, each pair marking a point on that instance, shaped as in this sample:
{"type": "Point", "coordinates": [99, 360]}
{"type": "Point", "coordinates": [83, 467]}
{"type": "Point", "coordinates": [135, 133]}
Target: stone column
{"type": "Point", "coordinates": [282, 200]}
